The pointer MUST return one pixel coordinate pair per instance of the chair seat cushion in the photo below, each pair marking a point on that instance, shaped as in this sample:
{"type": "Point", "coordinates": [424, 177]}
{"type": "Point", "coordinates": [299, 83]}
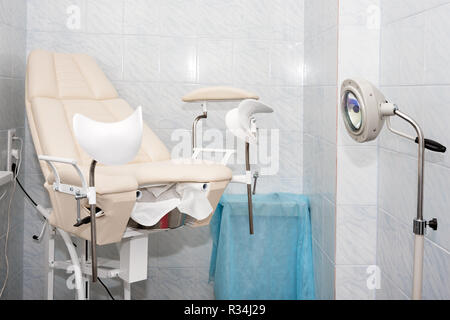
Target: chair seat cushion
{"type": "Point", "coordinates": [117, 179]}
{"type": "Point", "coordinates": [185, 170]}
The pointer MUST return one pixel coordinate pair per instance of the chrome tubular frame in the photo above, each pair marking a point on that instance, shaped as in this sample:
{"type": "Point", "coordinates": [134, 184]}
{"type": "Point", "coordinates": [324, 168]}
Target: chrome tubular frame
{"type": "Point", "coordinates": [195, 124]}
{"type": "Point", "coordinates": [249, 188]}
{"type": "Point", "coordinates": [93, 207]}
{"type": "Point", "coordinates": [421, 159]}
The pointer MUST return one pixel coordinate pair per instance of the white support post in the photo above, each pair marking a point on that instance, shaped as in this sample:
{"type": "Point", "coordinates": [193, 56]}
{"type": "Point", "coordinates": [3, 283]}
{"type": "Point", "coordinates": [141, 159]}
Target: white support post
{"type": "Point", "coordinates": [133, 259]}
{"type": "Point", "coordinates": [75, 264]}
{"type": "Point", "coordinates": [51, 261]}
{"type": "Point", "coordinates": [84, 262]}
{"type": "Point", "coordinates": [126, 290]}
{"type": "Point", "coordinates": [419, 242]}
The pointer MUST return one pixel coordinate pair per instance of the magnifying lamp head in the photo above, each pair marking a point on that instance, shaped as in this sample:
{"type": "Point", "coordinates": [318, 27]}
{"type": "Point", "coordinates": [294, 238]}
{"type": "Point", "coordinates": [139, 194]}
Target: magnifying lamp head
{"type": "Point", "coordinates": [361, 105]}
{"type": "Point", "coordinates": [110, 143]}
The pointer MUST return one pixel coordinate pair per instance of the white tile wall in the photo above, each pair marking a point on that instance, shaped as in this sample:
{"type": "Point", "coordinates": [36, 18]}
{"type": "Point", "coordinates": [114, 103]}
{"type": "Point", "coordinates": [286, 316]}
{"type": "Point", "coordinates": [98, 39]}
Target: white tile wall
{"type": "Point", "coordinates": [351, 283]}
{"type": "Point", "coordinates": [357, 176]}
{"type": "Point", "coordinates": [12, 83]}
{"type": "Point", "coordinates": [414, 75]}
{"type": "Point", "coordinates": [324, 270]}
{"type": "Point", "coordinates": [320, 79]}
{"type": "Point", "coordinates": [394, 10]}
{"type": "Point", "coordinates": [356, 235]}
{"type": "Point", "coordinates": [357, 164]}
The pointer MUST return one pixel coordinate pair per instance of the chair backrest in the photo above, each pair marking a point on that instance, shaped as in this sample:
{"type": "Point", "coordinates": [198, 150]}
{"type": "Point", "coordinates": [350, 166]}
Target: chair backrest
{"type": "Point", "coordinates": [60, 85]}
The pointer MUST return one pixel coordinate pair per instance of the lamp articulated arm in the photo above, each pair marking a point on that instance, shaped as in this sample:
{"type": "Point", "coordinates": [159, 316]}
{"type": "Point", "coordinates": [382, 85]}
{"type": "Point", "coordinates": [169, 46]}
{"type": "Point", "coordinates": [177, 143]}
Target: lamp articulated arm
{"type": "Point", "coordinates": [421, 161]}
{"type": "Point", "coordinates": [430, 145]}
{"type": "Point", "coordinates": [420, 224]}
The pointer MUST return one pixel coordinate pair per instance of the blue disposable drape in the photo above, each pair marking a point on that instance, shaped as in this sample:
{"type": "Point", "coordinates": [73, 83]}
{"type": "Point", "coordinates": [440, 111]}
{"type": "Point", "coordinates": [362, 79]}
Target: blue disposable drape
{"type": "Point", "coordinates": [274, 264]}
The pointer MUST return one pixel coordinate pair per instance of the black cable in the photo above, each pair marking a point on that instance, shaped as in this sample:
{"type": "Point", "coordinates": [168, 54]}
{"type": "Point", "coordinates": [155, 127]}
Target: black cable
{"type": "Point", "coordinates": [14, 170]}
{"type": "Point", "coordinates": [106, 288]}
{"type": "Point", "coordinates": [26, 193]}
{"type": "Point", "coordinates": [35, 204]}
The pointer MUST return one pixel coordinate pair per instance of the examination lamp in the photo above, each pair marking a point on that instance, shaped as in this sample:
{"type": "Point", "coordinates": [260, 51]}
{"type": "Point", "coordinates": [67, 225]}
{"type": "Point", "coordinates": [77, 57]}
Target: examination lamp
{"type": "Point", "coordinates": [365, 111]}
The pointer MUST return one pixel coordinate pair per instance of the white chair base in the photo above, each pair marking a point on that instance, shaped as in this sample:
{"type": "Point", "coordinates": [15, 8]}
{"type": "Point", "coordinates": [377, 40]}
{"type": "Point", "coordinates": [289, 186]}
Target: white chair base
{"type": "Point", "coordinates": [130, 268]}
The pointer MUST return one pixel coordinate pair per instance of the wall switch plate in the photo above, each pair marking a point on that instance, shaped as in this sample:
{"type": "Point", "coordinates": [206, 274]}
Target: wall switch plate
{"type": "Point", "coordinates": [5, 177]}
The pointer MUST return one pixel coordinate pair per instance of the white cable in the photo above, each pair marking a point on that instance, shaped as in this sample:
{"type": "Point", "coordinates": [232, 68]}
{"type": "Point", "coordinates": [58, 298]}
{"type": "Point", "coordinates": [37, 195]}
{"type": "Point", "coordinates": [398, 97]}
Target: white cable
{"type": "Point", "coordinates": [20, 155]}
{"type": "Point", "coordinates": [7, 238]}
{"type": "Point", "coordinates": [9, 215]}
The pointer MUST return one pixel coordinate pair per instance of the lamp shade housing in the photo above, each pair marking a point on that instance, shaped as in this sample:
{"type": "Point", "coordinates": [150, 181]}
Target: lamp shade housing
{"type": "Point", "coordinates": [362, 109]}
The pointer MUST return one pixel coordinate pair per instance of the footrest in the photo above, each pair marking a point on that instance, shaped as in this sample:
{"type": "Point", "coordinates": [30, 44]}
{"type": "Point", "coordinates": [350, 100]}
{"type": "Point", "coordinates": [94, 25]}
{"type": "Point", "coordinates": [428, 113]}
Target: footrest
{"type": "Point", "coordinates": [219, 94]}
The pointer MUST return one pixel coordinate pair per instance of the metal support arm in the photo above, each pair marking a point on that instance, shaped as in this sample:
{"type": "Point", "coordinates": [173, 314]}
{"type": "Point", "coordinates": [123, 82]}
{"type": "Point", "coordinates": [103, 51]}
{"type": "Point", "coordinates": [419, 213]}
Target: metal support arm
{"type": "Point", "coordinates": [249, 188]}
{"type": "Point", "coordinates": [79, 193]}
{"type": "Point", "coordinates": [421, 160]}
{"type": "Point", "coordinates": [419, 223]}
{"type": "Point", "coordinates": [195, 124]}
{"type": "Point", "coordinates": [58, 186]}
{"type": "Point", "coordinates": [93, 206]}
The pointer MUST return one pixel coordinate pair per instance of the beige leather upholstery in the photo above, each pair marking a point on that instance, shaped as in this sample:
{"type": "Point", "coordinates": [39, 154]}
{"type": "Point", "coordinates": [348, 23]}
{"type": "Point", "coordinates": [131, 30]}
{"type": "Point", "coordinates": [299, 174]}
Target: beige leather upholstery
{"type": "Point", "coordinates": [218, 94]}
{"type": "Point", "coordinates": [130, 177]}
{"type": "Point", "coordinates": [62, 85]}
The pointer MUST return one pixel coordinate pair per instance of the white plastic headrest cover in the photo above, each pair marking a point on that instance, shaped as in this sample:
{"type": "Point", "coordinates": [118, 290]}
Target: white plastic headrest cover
{"type": "Point", "coordinates": [239, 120]}
{"type": "Point", "coordinates": [110, 143]}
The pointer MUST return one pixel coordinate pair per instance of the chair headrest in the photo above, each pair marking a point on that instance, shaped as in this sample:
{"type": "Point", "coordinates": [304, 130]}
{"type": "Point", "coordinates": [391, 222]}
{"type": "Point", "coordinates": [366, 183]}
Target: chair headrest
{"type": "Point", "coordinates": [66, 76]}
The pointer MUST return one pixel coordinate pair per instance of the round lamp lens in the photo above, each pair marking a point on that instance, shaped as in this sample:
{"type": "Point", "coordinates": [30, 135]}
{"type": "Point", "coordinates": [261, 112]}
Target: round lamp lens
{"type": "Point", "coordinates": [353, 111]}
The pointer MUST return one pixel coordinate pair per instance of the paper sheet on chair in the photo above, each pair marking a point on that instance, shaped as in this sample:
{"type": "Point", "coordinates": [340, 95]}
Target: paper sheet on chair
{"type": "Point", "coordinates": [189, 198]}
{"type": "Point", "coordinates": [149, 213]}
{"type": "Point", "coordinates": [194, 201]}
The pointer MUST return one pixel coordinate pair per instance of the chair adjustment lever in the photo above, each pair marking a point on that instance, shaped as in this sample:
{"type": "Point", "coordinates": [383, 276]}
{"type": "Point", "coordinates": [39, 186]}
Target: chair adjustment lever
{"type": "Point", "coordinates": [82, 222]}
{"type": "Point", "coordinates": [87, 220]}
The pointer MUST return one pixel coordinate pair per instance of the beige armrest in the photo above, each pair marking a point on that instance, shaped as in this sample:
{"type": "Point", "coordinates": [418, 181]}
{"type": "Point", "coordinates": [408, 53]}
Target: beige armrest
{"type": "Point", "coordinates": [219, 94]}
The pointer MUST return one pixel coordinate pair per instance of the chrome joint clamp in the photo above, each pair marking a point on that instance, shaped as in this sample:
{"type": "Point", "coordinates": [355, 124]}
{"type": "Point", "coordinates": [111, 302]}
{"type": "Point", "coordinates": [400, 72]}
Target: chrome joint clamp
{"type": "Point", "coordinates": [420, 227]}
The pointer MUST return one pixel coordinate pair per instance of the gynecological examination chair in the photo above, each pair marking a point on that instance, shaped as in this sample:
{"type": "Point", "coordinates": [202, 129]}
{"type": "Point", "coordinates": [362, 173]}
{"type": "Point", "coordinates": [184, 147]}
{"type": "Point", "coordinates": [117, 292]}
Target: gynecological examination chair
{"type": "Point", "coordinates": [109, 177]}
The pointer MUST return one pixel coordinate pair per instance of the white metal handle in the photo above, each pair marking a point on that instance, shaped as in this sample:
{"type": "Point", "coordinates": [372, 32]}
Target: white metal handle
{"type": "Point", "coordinates": [51, 160]}
{"type": "Point", "coordinates": [228, 153]}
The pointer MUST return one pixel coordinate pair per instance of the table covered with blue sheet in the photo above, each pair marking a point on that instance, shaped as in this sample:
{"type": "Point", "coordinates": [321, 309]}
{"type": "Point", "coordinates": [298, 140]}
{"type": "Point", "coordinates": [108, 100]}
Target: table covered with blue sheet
{"type": "Point", "coordinates": [273, 264]}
